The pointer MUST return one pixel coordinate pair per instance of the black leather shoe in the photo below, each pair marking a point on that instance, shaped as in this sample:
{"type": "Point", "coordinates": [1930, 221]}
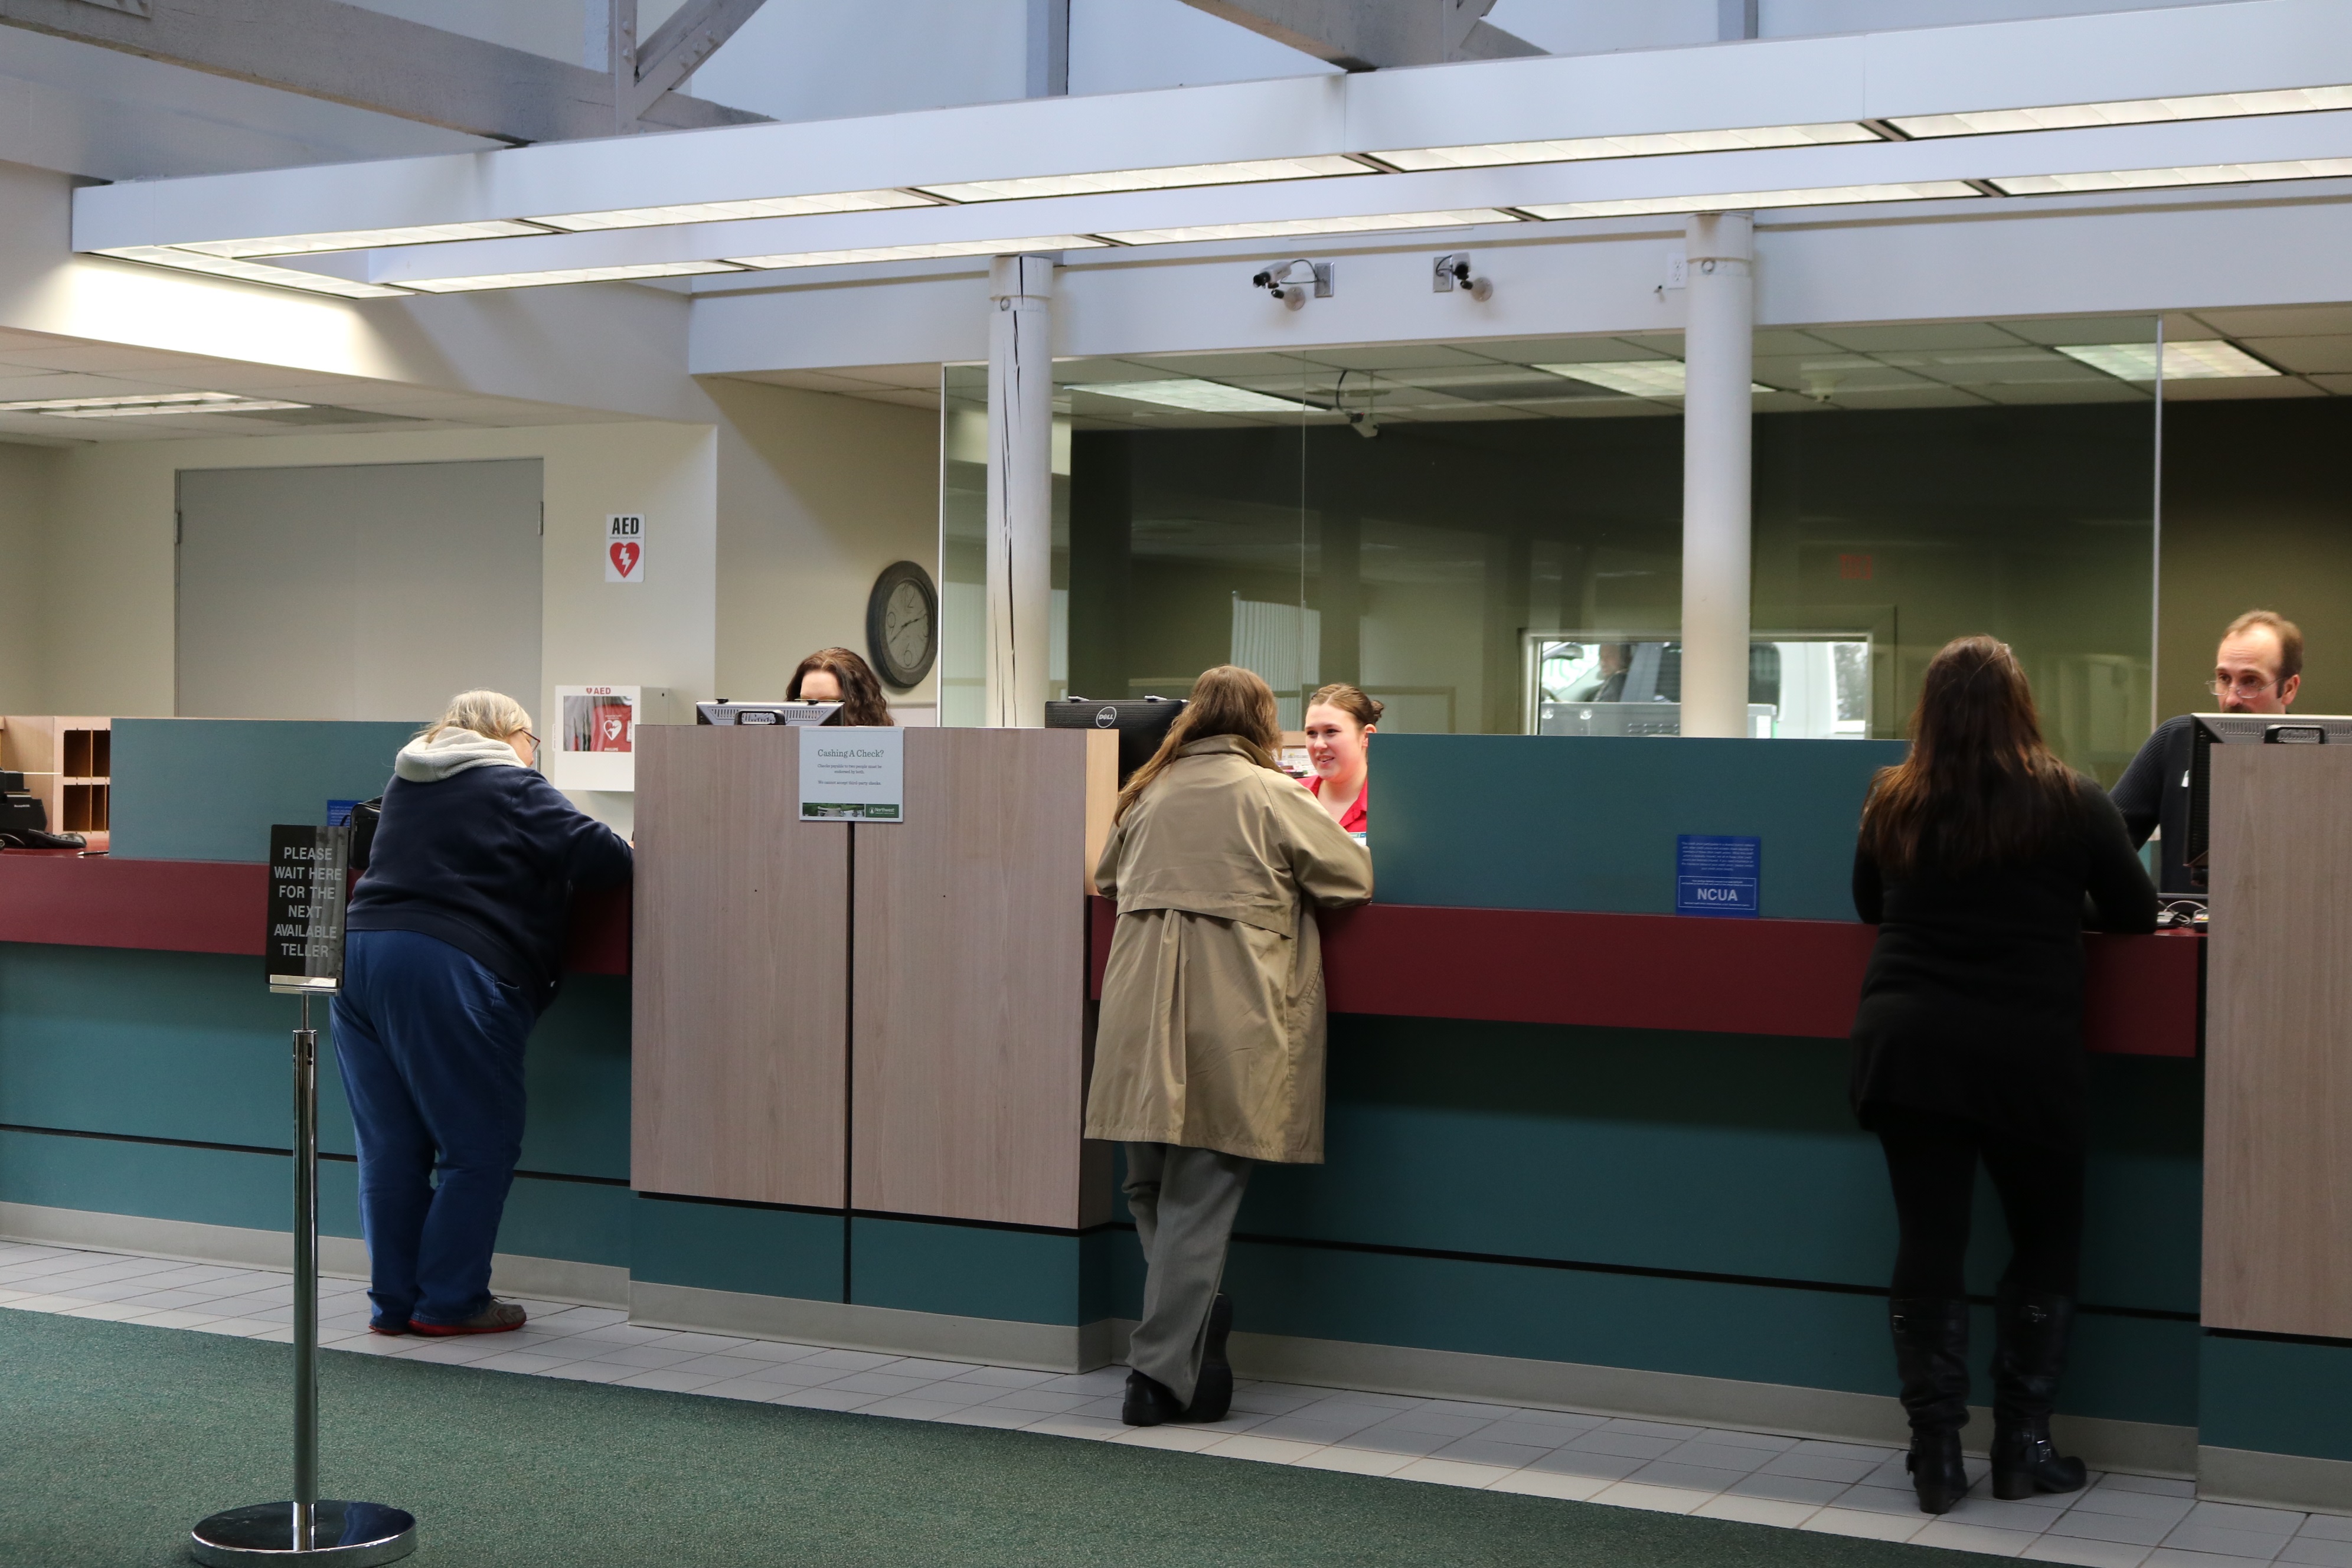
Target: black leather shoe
{"type": "Point", "coordinates": [1212, 1395]}
{"type": "Point", "coordinates": [2028, 1360]}
{"type": "Point", "coordinates": [1149, 1403]}
{"type": "Point", "coordinates": [1931, 1357]}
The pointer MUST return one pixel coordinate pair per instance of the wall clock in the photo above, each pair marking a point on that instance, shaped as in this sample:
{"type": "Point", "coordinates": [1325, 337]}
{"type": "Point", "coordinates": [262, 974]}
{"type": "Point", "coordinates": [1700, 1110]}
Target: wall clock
{"type": "Point", "coordinates": [902, 623]}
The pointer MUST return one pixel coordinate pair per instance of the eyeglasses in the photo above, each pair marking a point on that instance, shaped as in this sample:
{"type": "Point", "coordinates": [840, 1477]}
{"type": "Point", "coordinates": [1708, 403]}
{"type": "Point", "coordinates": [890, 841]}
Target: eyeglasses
{"type": "Point", "coordinates": [2245, 686]}
{"type": "Point", "coordinates": [534, 740]}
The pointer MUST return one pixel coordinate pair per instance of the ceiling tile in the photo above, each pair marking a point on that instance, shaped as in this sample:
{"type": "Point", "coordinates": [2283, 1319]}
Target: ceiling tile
{"type": "Point", "coordinates": [2104, 390]}
{"type": "Point", "coordinates": [1394, 356]}
{"type": "Point", "coordinates": [2087, 330]}
{"type": "Point", "coordinates": [2331, 353]}
{"type": "Point", "coordinates": [2280, 321]}
{"type": "Point", "coordinates": [1917, 337]}
{"type": "Point", "coordinates": [2239, 388]}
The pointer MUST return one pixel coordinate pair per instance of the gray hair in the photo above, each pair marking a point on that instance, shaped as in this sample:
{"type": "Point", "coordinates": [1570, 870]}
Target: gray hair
{"type": "Point", "coordinates": [493, 714]}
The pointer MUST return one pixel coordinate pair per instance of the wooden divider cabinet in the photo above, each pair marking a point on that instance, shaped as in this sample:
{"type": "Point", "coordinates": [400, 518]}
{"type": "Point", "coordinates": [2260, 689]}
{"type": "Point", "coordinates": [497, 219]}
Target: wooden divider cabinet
{"type": "Point", "coordinates": [889, 1016]}
{"type": "Point", "coordinates": [68, 763]}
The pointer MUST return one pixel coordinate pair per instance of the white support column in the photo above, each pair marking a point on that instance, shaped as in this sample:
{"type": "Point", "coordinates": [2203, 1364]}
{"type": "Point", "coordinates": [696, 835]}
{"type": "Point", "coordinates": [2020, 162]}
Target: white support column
{"type": "Point", "coordinates": [1020, 488]}
{"type": "Point", "coordinates": [1720, 360]}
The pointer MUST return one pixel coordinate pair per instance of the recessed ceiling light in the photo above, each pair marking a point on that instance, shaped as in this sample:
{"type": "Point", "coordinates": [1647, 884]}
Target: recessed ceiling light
{"type": "Point", "coordinates": [934, 252]}
{"type": "Point", "coordinates": [362, 238]}
{"type": "Point", "coordinates": [145, 402]}
{"type": "Point", "coordinates": [728, 212]}
{"type": "Point", "coordinates": [2126, 111]}
{"type": "Point", "coordinates": [180, 260]}
{"type": "Point", "coordinates": [1283, 228]}
{"type": "Point", "coordinates": [1487, 154]}
{"type": "Point", "coordinates": [2161, 179]}
{"type": "Point", "coordinates": [1634, 377]}
{"type": "Point", "coordinates": [1198, 397]}
{"type": "Point", "coordinates": [1251, 171]}
{"type": "Point", "coordinates": [569, 275]}
{"type": "Point", "coordinates": [1742, 201]}
{"type": "Point", "coordinates": [2198, 360]}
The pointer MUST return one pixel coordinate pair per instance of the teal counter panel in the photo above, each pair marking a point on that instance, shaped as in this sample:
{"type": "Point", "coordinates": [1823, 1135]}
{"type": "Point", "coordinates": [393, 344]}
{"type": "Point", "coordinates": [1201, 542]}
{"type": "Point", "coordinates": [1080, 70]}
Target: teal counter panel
{"type": "Point", "coordinates": [1550, 822]}
{"type": "Point", "coordinates": [208, 789]}
{"type": "Point", "coordinates": [1703, 1154]}
{"type": "Point", "coordinates": [584, 1222]}
{"type": "Point", "coordinates": [194, 1046]}
{"type": "Point", "coordinates": [735, 1246]}
{"type": "Point", "coordinates": [974, 1271]}
{"type": "Point", "coordinates": [169, 1180]}
{"type": "Point", "coordinates": [2277, 1395]}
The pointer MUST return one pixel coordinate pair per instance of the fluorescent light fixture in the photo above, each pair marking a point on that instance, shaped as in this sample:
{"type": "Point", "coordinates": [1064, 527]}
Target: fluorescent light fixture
{"type": "Point", "coordinates": [922, 252]}
{"type": "Point", "coordinates": [1486, 155]}
{"type": "Point", "coordinates": [1319, 167]}
{"type": "Point", "coordinates": [1198, 397]}
{"type": "Point", "coordinates": [728, 212]}
{"type": "Point", "coordinates": [362, 238]}
{"type": "Point", "coordinates": [1634, 377]}
{"type": "Point", "coordinates": [1286, 228]}
{"type": "Point", "coordinates": [569, 275]}
{"type": "Point", "coordinates": [2127, 112]}
{"type": "Point", "coordinates": [251, 272]}
{"type": "Point", "coordinates": [1743, 200]}
{"type": "Point", "coordinates": [2160, 179]}
{"type": "Point", "coordinates": [2200, 361]}
{"type": "Point", "coordinates": [145, 402]}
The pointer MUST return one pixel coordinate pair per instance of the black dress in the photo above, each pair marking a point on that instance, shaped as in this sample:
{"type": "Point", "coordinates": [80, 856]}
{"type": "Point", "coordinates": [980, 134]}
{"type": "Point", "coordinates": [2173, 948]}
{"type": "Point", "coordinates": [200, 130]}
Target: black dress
{"type": "Point", "coordinates": [1972, 1006]}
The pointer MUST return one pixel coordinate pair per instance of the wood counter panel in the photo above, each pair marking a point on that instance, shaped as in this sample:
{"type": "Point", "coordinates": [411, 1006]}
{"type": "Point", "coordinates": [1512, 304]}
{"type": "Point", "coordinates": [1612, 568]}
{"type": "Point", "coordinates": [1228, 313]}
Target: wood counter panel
{"type": "Point", "coordinates": [740, 1004]}
{"type": "Point", "coordinates": [970, 1016]}
{"type": "Point", "coordinates": [2278, 1043]}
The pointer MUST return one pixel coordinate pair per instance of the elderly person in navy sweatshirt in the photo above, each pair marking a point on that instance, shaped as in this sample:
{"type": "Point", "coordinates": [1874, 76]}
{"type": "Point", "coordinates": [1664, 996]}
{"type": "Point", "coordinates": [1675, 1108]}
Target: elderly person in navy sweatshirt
{"type": "Point", "coordinates": [456, 944]}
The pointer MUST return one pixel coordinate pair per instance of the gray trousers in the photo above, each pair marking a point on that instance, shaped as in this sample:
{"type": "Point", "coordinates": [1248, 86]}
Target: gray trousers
{"type": "Point", "coordinates": [1184, 1201]}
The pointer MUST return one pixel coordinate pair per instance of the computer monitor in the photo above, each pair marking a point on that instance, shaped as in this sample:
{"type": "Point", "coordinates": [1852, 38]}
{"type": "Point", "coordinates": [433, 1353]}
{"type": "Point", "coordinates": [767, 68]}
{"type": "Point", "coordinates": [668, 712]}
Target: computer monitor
{"type": "Point", "coordinates": [796, 714]}
{"type": "Point", "coordinates": [1141, 723]}
{"type": "Point", "coordinates": [2211, 730]}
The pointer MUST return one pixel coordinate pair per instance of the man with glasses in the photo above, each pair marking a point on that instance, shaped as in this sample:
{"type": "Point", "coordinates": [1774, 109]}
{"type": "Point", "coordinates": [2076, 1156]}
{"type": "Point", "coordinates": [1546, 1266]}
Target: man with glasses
{"type": "Point", "coordinates": [2258, 669]}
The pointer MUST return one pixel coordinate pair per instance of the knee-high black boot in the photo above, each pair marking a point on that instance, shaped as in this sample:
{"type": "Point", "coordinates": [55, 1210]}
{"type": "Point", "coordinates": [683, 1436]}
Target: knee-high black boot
{"type": "Point", "coordinates": [2029, 1357]}
{"type": "Point", "coordinates": [1931, 1357]}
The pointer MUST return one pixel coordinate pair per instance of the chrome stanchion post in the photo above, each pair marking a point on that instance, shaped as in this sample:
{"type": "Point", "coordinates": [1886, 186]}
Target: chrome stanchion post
{"type": "Point", "coordinates": [306, 959]}
{"type": "Point", "coordinates": [306, 1282]}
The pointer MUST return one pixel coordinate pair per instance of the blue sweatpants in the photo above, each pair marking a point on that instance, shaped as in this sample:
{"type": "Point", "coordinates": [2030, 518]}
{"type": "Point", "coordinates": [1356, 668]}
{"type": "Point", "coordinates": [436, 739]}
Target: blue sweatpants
{"type": "Point", "coordinates": [431, 1044]}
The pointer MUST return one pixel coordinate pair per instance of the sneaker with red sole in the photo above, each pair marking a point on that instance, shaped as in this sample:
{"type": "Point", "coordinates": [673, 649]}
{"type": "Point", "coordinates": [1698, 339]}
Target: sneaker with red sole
{"type": "Point", "coordinates": [497, 1318]}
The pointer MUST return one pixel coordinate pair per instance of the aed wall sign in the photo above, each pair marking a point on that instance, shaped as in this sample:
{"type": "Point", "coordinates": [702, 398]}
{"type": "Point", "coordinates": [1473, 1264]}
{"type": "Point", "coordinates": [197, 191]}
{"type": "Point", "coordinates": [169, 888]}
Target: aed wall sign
{"type": "Point", "coordinates": [1716, 875]}
{"type": "Point", "coordinates": [625, 547]}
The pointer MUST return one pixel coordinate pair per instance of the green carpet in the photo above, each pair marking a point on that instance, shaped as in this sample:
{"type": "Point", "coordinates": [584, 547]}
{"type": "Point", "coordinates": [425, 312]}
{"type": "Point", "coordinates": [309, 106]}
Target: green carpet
{"type": "Point", "coordinates": [114, 1439]}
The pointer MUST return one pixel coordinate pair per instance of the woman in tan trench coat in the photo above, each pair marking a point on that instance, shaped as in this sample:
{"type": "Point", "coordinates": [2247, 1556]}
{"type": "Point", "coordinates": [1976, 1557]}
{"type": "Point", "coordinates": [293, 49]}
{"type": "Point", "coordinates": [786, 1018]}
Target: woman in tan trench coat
{"type": "Point", "coordinates": [1209, 1050]}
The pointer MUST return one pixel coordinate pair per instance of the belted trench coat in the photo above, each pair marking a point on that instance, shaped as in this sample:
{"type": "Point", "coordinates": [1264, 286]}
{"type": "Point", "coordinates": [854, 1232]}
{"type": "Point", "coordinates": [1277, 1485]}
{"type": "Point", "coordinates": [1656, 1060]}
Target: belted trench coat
{"type": "Point", "coordinates": [1211, 1032]}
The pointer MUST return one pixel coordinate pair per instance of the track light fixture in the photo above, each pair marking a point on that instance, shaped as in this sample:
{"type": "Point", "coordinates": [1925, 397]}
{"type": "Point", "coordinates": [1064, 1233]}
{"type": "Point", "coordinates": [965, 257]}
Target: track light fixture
{"type": "Point", "coordinates": [1449, 272]}
{"type": "Point", "coordinates": [1292, 281]}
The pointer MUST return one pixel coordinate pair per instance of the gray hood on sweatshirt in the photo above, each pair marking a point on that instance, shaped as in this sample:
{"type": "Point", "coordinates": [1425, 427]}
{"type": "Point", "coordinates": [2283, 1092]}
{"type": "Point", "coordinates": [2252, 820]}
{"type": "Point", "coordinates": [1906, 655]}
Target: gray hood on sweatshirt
{"type": "Point", "coordinates": [451, 752]}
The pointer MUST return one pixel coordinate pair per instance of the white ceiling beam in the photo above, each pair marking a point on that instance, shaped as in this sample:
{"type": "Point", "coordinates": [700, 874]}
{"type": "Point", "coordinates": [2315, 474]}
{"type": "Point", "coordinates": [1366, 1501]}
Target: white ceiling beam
{"type": "Point", "coordinates": [2249, 46]}
{"type": "Point", "coordinates": [679, 46]}
{"type": "Point", "coordinates": [348, 53]}
{"type": "Point", "coordinates": [1376, 34]}
{"type": "Point", "coordinates": [1694, 175]}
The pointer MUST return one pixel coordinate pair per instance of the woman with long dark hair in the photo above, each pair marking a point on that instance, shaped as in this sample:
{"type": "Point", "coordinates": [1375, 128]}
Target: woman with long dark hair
{"type": "Point", "coordinates": [1209, 1046]}
{"type": "Point", "coordinates": [1975, 855]}
{"type": "Point", "coordinates": [840, 675]}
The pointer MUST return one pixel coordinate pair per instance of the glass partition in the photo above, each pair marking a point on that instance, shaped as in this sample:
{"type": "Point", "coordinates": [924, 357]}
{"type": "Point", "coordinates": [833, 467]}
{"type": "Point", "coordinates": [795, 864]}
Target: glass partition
{"type": "Point", "coordinates": [1487, 536]}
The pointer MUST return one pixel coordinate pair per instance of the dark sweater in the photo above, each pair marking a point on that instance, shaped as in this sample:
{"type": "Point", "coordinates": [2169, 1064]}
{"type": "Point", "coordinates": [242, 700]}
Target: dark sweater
{"type": "Point", "coordinates": [1972, 1006]}
{"type": "Point", "coordinates": [2154, 792]}
{"type": "Point", "coordinates": [486, 860]}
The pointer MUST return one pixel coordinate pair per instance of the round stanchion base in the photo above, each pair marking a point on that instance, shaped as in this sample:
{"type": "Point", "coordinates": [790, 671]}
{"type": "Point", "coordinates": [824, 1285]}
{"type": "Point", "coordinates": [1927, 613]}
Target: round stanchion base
{"type": "Point", "coordinates": [348, 1534]}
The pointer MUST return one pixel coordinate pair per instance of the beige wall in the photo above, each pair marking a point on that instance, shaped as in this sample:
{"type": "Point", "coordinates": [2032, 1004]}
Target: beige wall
{"type": "Point", "coordinates": [28, 490]}
{"type": "Point", "coordinates": [817, 495]}
{"type": "Point", "coordinates": [110, 595]}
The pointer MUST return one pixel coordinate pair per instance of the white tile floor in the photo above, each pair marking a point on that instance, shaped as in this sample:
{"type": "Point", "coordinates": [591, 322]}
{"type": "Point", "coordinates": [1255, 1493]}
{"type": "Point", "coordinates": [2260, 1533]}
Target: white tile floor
{"type": "Point", "coordinates": [2118, 1521]}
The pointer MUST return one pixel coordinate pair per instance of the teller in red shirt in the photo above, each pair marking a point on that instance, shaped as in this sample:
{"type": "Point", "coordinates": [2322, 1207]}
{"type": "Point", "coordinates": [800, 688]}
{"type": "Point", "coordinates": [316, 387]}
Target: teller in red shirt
{"type": "Point", "coordinates": [1340, 721]}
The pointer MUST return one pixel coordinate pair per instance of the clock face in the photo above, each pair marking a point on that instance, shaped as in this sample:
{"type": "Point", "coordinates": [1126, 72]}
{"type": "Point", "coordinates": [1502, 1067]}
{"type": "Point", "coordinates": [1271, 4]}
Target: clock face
{"type": "Point", "coordinates": [906, 625]}
{"type": "Point", "coordinates": [902, 623]}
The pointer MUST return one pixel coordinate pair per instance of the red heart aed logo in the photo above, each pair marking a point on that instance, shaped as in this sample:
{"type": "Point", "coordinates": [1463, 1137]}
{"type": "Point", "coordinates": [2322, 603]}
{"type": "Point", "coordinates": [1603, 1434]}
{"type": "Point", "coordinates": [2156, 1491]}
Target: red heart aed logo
{"type": "Point", "coordinates": [624, 557]}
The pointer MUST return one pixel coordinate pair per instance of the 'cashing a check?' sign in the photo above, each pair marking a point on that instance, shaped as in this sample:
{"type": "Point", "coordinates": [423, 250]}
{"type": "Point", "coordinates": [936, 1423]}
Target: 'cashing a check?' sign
{"type": "Point", "coordinates": [853, 775]}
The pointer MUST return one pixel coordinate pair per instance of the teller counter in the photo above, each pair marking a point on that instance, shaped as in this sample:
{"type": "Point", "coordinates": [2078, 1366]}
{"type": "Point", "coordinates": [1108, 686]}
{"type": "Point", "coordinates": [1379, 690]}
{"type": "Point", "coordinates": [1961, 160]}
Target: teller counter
{"type": "Point", "coordinates": [826, 1083]}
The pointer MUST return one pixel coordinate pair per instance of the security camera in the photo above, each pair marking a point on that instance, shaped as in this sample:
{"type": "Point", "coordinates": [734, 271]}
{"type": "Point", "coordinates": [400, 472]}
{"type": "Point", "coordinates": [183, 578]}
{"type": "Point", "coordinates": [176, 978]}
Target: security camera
{"type": "Point", "coordinates": [1292, 282]}
{"type": "Point", "coordinates": [1448, 272]}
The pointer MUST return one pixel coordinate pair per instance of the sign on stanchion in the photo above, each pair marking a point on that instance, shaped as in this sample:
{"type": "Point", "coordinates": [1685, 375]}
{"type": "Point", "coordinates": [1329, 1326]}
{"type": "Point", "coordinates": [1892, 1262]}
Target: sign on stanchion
{"type": "Point", "coordinates": [308, 870]}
